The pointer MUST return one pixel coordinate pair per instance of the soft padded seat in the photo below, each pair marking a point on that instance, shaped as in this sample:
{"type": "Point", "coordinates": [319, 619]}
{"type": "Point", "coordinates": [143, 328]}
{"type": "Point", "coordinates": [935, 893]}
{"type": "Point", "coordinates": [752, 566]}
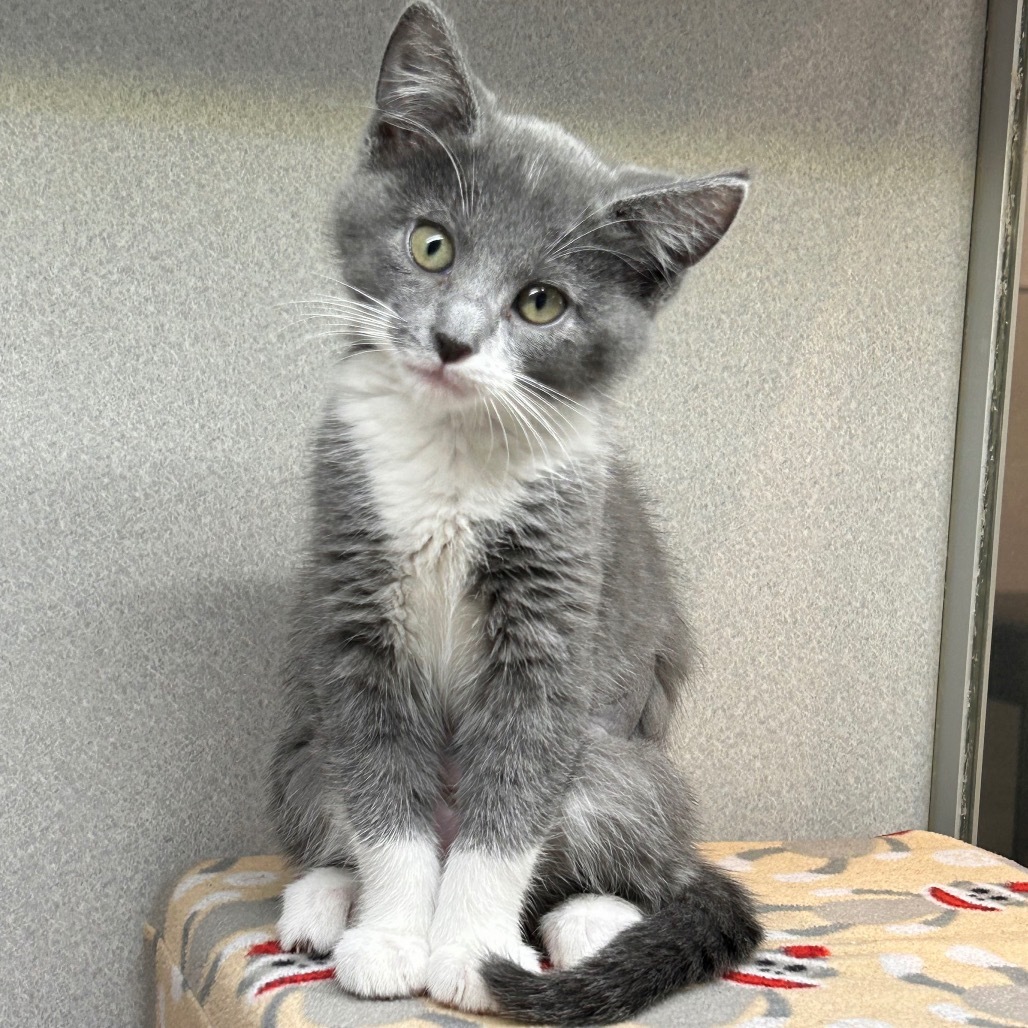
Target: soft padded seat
{"type": "Point", "coordinates": [909, 929]}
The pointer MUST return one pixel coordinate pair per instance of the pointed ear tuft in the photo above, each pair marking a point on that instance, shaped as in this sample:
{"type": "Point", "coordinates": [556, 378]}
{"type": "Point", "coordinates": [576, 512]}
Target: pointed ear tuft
{"type": "Point", "coordinates": [664, 230]}
{"type": "Point", "coordinates": [424, 88]}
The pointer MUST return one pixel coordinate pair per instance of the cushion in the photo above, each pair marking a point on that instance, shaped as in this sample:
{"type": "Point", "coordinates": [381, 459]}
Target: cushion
{"type": "Point", "coordinates": [906, 929]}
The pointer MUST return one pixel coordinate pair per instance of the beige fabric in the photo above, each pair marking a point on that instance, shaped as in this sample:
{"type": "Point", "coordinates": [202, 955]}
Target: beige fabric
{"type": "Point", "coordinates": [910, 929]}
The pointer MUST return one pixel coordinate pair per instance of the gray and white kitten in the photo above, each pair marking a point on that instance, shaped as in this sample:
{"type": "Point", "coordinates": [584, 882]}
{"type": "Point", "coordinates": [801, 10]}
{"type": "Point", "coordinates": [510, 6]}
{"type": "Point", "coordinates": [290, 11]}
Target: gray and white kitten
{"type": "Point", "coordinates": [487, 651]}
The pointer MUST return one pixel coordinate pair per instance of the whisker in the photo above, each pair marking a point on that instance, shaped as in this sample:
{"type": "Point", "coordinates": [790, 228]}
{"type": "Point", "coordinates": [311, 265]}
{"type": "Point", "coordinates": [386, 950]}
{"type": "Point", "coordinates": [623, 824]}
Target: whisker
{"type": "Point", "coordinates": [361, 292]}
{"type": "Point", "coordinates": [558, 395]}
{"type": "Point", "coordinates": [342, 319]}
{"type": "Point", "coordinates": [548, 426]}
{"type": "Point", "coordinates": [355, 350]}
{"type": "Point", "coordinates": [555, 394]}
{"type": "Point", "coordinates": [532, 413]}
{"type": "Point", "coordinates": [343, 334]}
{"type": "Point", "coordinates": [352, 300]}
{"type": "Point", "coordinates": [345, 314]}
{"type": "Point", "coordinates": [347, 331]}
{"type": "Point", "coordinates": [491, 439]}
{"type": "Point", "coordinates": [338, 304]}
{"type": "Point", "coordinates": [548, 404]}
{"type": "Point", "coordinates": [632, 262]}
{"type": "Point", "coordinates": [502, 426]}
{"type": "Point", "coordinates": [581, 218]}
{"type": "Point", "coordinates": [504, 398]}
{"type": "Point", "coordinates": [609, 224]}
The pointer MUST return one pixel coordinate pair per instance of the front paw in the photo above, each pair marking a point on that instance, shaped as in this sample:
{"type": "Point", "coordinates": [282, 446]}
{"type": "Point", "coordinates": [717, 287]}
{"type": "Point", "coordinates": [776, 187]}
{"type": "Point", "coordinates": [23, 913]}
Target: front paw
{"type": "Point", "coordinates": [315, 909]}
{"type": "Point", "coordinates": [379, 964]}
{"type": "Point", "coordinates": [453, 972]}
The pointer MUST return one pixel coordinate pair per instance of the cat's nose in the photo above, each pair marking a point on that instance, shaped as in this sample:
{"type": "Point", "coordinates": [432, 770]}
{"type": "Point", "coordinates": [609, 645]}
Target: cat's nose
{"type": "Point", "coordinates": [451, 350]}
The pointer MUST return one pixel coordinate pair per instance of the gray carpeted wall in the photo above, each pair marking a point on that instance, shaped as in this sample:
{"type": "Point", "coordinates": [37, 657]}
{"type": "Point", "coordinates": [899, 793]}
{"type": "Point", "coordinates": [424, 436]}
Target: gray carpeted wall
{"type": "Point", "coordinates": [166, 171]}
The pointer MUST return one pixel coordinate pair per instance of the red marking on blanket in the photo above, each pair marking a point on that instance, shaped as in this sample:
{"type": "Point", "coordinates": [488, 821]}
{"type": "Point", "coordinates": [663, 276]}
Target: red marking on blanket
{"type": "Point", "coordinates": [806, 951]}
{"type": "Point", "coordinates": [766, 981]}
{"type": "Point", "coordinates": [265, 949]}
{"type": "Point", "coordinates": [892, 835]}
{"type": "Point", "coordinates": [296, 979]}
{"type": "Point", "coordinates": [950, 900]}
{"type": "Point", "coordinates": [1017, 886]}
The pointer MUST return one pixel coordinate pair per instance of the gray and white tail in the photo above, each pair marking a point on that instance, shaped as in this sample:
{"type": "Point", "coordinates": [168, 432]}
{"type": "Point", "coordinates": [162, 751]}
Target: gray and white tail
{"type": "Point", "coordinates": [707, 930]}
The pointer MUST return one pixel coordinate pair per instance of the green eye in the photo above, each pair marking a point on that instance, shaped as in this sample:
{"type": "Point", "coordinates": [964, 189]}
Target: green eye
{"type": "Point", "coordinates": [540, 304]}
{"type": "Point", "coordinates": [431, 247]}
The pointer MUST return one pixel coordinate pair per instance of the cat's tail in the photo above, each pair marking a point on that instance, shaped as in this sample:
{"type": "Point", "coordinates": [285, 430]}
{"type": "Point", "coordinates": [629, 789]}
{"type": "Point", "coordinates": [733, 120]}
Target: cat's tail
{"type": "Point", "coordinates": [707, 930]}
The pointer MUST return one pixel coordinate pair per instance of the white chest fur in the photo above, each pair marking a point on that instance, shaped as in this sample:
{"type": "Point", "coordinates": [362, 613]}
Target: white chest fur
{"type": "Point", "coordinates": [433, 484]}
{"type": "Point", "coordinates": [438, 476]}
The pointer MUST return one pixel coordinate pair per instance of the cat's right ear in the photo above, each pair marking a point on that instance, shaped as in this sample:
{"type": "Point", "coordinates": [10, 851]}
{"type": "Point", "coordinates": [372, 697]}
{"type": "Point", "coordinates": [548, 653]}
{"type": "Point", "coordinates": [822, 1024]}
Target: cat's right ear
{"type": "Point", "coordinates": [424, 87]}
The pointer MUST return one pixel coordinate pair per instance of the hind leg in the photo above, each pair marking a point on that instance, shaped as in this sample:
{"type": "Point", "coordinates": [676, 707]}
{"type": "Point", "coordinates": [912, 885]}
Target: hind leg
{"type": "Point", "coordinates": [583, 925]}
{"type": "Point", "coordinates": [623, 834]}
{"type": "Point", "coordinates": [620, 848]}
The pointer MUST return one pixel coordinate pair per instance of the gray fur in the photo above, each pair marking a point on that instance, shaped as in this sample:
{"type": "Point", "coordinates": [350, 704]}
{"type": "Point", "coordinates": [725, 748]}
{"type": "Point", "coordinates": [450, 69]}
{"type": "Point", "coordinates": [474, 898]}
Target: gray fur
{"type": "Point", "coordinates": [559, 737]}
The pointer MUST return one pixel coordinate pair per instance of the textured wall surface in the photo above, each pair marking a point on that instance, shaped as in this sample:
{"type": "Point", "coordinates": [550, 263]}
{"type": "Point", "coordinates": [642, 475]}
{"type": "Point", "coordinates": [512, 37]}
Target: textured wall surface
{"type": "Point", "coordinates": [167, 169]}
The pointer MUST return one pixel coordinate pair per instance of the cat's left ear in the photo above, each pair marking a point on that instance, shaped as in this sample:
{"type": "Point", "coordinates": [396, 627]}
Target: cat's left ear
{"type": "Point", "coordinates": [424, 87]}
{"type": "Point", "coordinates": [664, 230]}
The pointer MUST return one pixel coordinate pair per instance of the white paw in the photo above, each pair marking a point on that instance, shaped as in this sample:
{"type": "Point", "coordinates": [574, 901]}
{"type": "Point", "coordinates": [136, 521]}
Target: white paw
{"type": "Point", "coordinates": [380, 964]}
{"type": "Point", "coordinates": [315, 908]}
{"type": "Point", "coordinates": [453, 976]}
{"type": "Point", "coordinates": [583, 925]}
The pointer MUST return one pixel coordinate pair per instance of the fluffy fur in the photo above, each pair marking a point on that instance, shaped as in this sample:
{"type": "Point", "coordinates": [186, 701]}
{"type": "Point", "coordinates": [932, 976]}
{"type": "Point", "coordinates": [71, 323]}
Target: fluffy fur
{"type": "Point", "coordinates": [487, 650]}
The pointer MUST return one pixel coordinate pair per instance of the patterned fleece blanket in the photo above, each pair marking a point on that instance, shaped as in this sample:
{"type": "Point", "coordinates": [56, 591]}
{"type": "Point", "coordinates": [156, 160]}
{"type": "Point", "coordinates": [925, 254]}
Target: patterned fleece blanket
{"type": "Point", "coordinates": [907, 929]}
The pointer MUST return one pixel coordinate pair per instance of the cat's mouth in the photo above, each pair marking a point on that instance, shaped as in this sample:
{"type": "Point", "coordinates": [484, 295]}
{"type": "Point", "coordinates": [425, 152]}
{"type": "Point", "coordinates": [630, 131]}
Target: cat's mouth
{"type": "Point", "coordinates": [443, 378]}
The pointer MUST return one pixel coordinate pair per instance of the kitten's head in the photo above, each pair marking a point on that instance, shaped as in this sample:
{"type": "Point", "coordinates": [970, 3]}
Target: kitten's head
{"type": "Point", "coordinates": [492, 250]}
